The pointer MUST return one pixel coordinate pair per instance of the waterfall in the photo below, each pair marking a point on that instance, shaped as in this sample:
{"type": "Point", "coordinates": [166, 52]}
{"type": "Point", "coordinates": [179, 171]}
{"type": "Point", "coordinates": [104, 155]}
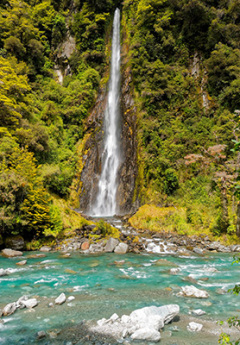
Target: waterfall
{"type": "Point", "coordinates": [105, 203]}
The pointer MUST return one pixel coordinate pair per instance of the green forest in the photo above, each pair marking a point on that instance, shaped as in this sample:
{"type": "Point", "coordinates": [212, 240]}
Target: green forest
{"type": "Point", "coordinates": [184, 57]}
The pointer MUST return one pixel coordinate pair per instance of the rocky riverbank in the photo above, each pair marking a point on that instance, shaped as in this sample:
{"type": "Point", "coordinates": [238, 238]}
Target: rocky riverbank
{"type": "Point", "coordinates": [137, 242]}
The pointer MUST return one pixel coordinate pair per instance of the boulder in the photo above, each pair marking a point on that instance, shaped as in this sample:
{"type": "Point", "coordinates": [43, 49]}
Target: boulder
{"type": "Point", "coordinates": [96, 248]}
{"type": "Point", "coordinates": [174, 271]}
{"type": "Point", "coordinates": [235, 248]}
{"type": "Point", "coordinates": [192, 291]}
{"type": "Point", "coordinates": [9, 309]}
{"type": "Point", "coordinates": [3, 272]}
{"type": "Point", "coordinates": [45, 249]}
{"type": "Point", "coordinates": [155, 317]}
{"type": "Point", "coordinates": [164, 262]}
{"type": "Point", "coordinates": [41, 334]}
{"type": "Point", "coordinates": [121, 248]}
{"type": "Point", "coordinates": [10, 253]}
{"type": "Point", "coordinates": [221, 291]}
{"type": "Point", "coordinates": [198, 312]}
{"type": "Point", "coordinates": [20, 302]}
{"type": "Point", "coordinates": [141, 324]}
{"type": "Point", "coordinates": [15, 242]}
{"type": "Point", "coordinates": [85, 246]}
{"type": "Point", "coordinates": [194, 327]}
{"type": "Point", "coordinates": [146, 333]}
{"type": "Point", "coordinates": [70, 298]}
{"type": "Point", "coordinates": [60, 299]}
{"type": "Point", "coordinates": [198, 250]}
{"type": "Point", "coordinates": [111, 245]}
{"type": "Point", "coordinates": [36, 256]}
{"type": "Point", "coordinates": [30, 303]}
{"type": "Point", "coordinates": [21, 263]}
{"type": "Point", "coordinates": [210, 269]}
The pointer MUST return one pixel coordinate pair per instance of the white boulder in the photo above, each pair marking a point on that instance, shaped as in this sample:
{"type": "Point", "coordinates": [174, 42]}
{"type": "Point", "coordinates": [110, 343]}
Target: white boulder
{"type": "Point", "coordinates": [70, 298]}
{"type": "Point", "coordinates": [194, 327]}
{"type": "Point", "coordinates": [174, 270]}
{"type": "Point", "coordinates": [3, 272]}
{"type": "Point", "coordinates": [162, 315]}
{"type": "Point", "coordinates": [111, 245]}
{"type": "Point", "coordinates": [10, 253]}
{"type": "Point", "coordinates": [121, 248]}
{"type": "Point", "coordinates": [146, 333]}
{"type": "Point", "coordinates": [141, 324]}
{"type": "Point", "coordinates": [198, 312]}
{"type": "Point", "coordinates": [9, 309]}
{"type": "Point", "coordinates": [30, 303]}
{"type": "Point", "coordinates": [60, 299]}
{"type": "Point", "coordinates": [192, 291]}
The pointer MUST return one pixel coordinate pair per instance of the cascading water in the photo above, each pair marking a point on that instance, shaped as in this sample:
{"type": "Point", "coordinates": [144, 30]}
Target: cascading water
{"type": "Point", "coordinates": [105, 203]}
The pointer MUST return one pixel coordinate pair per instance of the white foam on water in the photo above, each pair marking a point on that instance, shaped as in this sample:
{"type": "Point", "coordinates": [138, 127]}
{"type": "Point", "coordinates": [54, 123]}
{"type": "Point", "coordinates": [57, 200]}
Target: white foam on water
{"type": "Point", "coordinates": [80, 287]}
{"type": "Point", "coordinates": [45, 280]}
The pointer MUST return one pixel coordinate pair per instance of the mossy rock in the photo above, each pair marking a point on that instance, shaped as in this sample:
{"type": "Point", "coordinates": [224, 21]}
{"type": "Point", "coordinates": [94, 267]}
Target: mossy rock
{"type": "Point", "coordinates": [14, 242]}
{"type": "Point", "coordinates": [164, 262]}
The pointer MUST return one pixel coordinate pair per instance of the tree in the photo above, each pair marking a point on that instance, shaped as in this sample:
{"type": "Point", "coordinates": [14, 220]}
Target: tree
{"type": "Point", "coordinates": [13, 87]}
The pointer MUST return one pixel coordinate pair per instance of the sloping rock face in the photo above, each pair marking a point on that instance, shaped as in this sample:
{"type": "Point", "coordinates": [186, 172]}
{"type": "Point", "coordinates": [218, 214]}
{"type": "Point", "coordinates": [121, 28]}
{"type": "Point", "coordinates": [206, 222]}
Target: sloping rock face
{"type": "Point", "coordinates": [91, 153]}
{"type": "Point", "coordinates": [93, 147]}
{"type": "Point", "coordinates": [128, 172]}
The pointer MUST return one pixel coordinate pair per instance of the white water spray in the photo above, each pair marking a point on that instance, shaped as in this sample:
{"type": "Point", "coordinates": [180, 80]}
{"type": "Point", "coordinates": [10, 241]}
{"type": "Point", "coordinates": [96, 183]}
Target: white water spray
{"type": "Point", "coordinates": [105, 204]}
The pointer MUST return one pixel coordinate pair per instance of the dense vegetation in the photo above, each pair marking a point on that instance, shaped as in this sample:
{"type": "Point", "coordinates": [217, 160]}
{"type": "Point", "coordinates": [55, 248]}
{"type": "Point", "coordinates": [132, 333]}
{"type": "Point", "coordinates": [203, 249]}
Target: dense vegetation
{"type": "Point", "coordinates": [185, 61]}
{"type": "Point", "coordinates": [42, 120]}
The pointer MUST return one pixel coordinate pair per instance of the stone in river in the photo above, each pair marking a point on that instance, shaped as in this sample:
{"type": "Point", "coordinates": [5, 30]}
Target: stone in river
{"type": "Point", "coordinates": [221, 291]}
{"type": "Point", "coordinates": [194, 327]}
{"type": "Point", "coordinates": [198, 312]}
{"type": "Point", "coordinates": [70, 298]}
{"type": "Point", "coordinates": [20, 302]}
{"type": "Point", "coordinates": [164, 262]}
{"type": "Point", "coordinates": [45, 249]}
{"type": "Point", "coordinates": [41, 334]}
{"type": "Point", "coordinates": [30, 303]}
{"type": "Point", "coordinates": [111, 245]}
{"type": "Point", "coordinates": [141, 324]}
{"type": "Point", "coordinates": [36, 256]}
{"type": "Point", "coordinates": [121, 248]}
{"type": "Point", "coordinates": [94, 264]}
{"type": "Point", "coordinates": [68, 270]}
{"type": "Point", "coordinates": [85, 246]}
{"type": "Point", "coordinates": [61, 298]}
{"type": "Point", "coordinates": [3, 272]}
{"type": "Point", "coordinates": [96, 248]}
{"type": "Point", "coordinates": [165, 314]}
{"type": "Point", "coordinates": [198, 250]}
{"type": "Point", "coordinates": [120, 262]}
{"type": "Point", "coordinates": [21, 263]}
{"type": "Point", "coordinates": [146, 333]}
{"type": "Point", "coordinates": [10, 253]}
{"type": "Point", "coordinates": [9, 309]}
{"type": "Point", "coordinates": [174, 270]}
{"type": "Point", "coordinates": [192, 291]}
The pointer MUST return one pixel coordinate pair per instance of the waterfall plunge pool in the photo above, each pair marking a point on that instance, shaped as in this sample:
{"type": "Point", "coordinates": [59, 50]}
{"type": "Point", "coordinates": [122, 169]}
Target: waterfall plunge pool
{"type": "Point", "coordinates": [104, 284]}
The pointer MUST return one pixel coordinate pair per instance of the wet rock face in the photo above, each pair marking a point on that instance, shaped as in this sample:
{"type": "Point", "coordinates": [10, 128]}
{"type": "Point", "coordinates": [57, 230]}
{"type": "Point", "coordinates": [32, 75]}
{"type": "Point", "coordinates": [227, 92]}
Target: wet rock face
{"type": "Point", "coordinates": [92, 153]}
{"type": "Point", "coordinates": [129, 168]}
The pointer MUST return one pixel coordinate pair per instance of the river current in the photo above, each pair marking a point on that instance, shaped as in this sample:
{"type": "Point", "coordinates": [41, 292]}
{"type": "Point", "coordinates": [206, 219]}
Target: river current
{"type": "Point", "coordinates": [104, 284]}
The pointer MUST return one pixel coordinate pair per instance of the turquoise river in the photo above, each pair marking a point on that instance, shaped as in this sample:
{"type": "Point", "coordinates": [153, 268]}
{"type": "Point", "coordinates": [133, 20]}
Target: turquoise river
{"type": "Point", "coordinates": [103, 286]}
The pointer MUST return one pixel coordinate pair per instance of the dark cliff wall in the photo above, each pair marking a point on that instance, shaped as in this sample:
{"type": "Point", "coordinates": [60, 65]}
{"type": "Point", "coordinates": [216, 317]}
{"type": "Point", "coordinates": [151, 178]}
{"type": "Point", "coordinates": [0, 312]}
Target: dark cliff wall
{"type": "Point", "coordinates": [91, 159]}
